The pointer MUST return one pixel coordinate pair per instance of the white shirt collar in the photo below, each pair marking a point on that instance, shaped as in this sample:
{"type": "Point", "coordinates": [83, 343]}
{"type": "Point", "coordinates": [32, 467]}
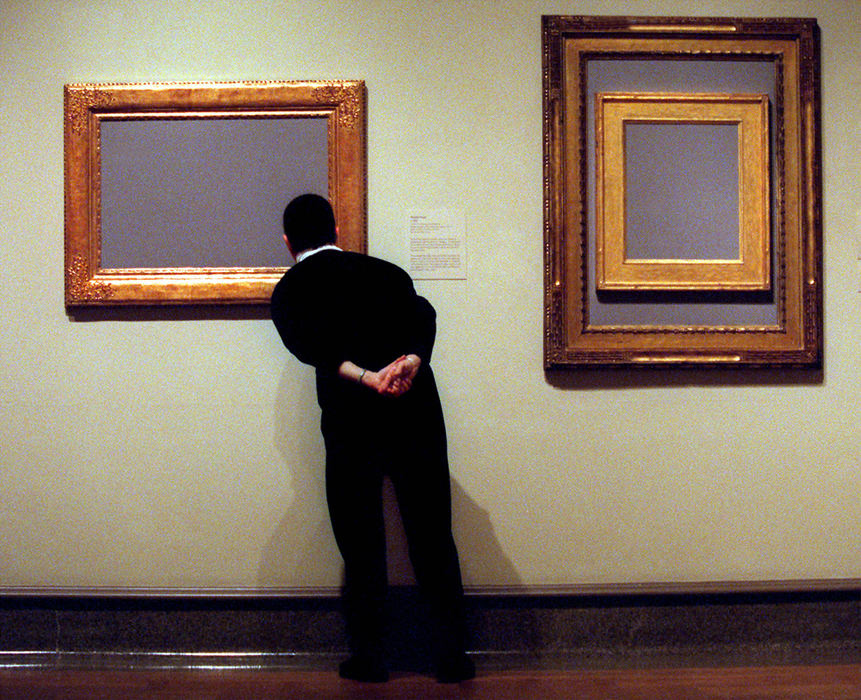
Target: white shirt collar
{"type": "Point", "coordinates": [308, 253]}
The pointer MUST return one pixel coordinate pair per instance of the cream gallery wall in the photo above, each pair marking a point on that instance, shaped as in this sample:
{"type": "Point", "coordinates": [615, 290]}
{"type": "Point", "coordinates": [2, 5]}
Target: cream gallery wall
{"type": "Point", "coordinates": [179, 448]}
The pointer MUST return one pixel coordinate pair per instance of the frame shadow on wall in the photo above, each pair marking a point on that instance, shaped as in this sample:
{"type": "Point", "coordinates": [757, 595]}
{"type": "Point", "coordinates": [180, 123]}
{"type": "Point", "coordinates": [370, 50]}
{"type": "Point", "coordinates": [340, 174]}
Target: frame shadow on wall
{"type": "Point", "coordinates": [682, 194]}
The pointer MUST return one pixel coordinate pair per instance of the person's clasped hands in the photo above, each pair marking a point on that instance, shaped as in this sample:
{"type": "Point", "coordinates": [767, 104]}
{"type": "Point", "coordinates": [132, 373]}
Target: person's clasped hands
{"type": "Point", "coordinates": [397, 377]}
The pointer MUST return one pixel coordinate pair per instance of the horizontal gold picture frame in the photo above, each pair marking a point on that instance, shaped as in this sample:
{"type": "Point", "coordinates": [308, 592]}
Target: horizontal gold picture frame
{"type": "Point", "coordinates": [695, 321]}
{"type": "Point", "coordinates": [211, 121]}
{"type": "Point", "coordinates": [748, 116]}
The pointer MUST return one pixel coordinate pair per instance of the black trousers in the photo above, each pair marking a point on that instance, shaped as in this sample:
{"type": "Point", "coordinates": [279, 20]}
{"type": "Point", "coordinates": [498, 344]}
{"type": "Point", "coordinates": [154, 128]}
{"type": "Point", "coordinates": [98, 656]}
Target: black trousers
{"type": "Point", "coordinates": [404, 440]}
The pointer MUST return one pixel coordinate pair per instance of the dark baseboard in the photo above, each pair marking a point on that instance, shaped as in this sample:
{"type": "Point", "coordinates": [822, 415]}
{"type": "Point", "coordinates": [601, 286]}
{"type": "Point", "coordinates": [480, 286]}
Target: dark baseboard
{"type": "Point", "coordinates": [565, 630]}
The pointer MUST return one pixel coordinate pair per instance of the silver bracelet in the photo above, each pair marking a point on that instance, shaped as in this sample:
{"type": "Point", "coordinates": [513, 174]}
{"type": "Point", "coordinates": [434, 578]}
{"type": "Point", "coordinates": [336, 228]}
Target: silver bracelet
{"type": "Point", "coordinates": [362, 375]}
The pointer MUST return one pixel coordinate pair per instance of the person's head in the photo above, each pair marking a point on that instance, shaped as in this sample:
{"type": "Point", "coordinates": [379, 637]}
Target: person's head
{"type": "Point", "coordinates": [309, 222]}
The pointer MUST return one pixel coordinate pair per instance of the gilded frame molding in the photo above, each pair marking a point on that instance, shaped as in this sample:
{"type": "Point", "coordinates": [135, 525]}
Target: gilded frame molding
{"type": "Point", "coordinates": [341, 103]}
{"type": "Point", "coordinates": [574, 334]}
{"type": "Point", "coordinates": [615, 270]}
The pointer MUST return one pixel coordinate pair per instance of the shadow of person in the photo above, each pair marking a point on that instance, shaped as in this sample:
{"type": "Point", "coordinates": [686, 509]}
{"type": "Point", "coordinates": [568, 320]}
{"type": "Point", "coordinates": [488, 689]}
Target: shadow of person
{"type": "Point", "coordinates": [487, 571]}
{"type": "Point", "coordinates": [302, 546]}
{"type": "Point", "coordinates": [484, 563]}
{"type": "Point", "coordinates": [481, 556]}
{"type": "Point", "coordinates": [503, 623]}
{"type": "Point", "coordinates": [301, 555]}
{"type": "Point", "coordinates": [301, 552]}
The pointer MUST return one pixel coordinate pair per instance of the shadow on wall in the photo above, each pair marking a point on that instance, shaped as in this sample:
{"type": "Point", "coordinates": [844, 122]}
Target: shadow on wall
{"type": "Point", "coordinates": [481, 556]}
{"type": "Point", "coordinates": [301, 551]}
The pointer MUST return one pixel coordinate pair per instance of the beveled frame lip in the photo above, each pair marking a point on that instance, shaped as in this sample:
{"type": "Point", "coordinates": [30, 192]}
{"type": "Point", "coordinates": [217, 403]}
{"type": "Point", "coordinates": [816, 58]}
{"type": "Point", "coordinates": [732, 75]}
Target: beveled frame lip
{"type": "Point", "coordinates": [751, 271]}
{"type": "Point", "coordinates": [571, 338]}
{"type": "Point", "coordinates": [341, 102]}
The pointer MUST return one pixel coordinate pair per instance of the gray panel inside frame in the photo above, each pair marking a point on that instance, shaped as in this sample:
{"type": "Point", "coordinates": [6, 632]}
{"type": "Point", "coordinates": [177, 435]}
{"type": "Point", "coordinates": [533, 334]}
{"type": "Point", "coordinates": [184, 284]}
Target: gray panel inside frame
{"type": "Point", "coordinates": [205, 192]}
{"type": "Point", "coordinates": [671, 75]}
{"type": "Point", "coordinates": [682, 191]}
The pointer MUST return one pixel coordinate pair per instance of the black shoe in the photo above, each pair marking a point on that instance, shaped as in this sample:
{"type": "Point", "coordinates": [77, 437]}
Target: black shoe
{"type": "Point", "coordinates": [369, 669]}
{"type": "Point", "coordinates": [455, 668]}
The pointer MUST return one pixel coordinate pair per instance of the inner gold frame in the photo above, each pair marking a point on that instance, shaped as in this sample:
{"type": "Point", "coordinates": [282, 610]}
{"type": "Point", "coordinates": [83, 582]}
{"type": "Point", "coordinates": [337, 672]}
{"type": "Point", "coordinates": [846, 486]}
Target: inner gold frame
{"type": "Point", "coordinates": [615, 270]}
{"type": "Point", "coordinates": [341, 103]}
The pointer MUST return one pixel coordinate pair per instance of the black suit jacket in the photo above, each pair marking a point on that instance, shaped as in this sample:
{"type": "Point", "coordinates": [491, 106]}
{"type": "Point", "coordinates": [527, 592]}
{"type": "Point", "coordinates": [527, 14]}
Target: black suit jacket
{"type": "Point", "coordinates": [336, 306]}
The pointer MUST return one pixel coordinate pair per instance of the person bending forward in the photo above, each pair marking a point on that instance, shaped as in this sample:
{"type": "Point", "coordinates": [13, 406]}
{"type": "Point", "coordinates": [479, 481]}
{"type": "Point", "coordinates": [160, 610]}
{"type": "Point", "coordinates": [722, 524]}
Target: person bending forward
{"type": "Point", "coordinates": [359, 321]}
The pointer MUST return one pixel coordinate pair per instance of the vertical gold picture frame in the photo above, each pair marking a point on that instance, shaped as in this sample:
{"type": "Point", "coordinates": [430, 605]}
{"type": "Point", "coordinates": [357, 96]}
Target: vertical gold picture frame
{"type": "Point", "coordinates": [773, 317]}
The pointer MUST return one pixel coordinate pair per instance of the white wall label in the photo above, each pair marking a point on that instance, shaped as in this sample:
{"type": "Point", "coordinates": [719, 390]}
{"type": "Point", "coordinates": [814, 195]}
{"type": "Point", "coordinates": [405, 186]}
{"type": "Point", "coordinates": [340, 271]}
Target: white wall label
{"type": "Point", "coordinates": [436, 241]}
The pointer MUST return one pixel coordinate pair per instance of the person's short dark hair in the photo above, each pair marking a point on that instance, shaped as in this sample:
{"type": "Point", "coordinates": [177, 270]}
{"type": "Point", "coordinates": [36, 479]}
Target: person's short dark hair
{"type": "Point", "coordinates": [309, 222]}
